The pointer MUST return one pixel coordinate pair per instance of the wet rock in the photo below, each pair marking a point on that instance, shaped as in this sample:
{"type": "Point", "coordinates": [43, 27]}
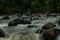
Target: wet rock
{"type": "Point", "coordinates": [58, 37]}
{"type": "Point", "coordinates": [12, 23]}
{"type": "Point", "coordinates": [39, 31]}
{"type": "Point", "coordinates": [18, 21]}
{"type": "Point", "coordinates": [21, 21]}
{"type": "Point", "coordinates": [6, 17]}
{"type": "Point", "coordinates": [52, 15]}
{"type": "Point", "coordinates": [58, 22]}
{"type": "Point", "coordinates": [27, 22]}
{"type": "Point", "coordinates": [2, 34]}
{"type": "Point", "coordinates": [35, 18]}
{"type": "Point", "coordinates": [49, 34]}
{"type": "Point", "coordinates": [32, 26]}
{"type": "Point", "coordinates": [57, 31]}
{"type": "Point", "coordinates": [48, 26]}
{"type": "Point", "coordinates": [20, 15]}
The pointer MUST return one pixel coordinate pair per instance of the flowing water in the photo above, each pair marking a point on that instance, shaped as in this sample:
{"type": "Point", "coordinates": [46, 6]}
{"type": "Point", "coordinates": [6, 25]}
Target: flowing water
{"type": "Point", "coordinates": [20, 27]}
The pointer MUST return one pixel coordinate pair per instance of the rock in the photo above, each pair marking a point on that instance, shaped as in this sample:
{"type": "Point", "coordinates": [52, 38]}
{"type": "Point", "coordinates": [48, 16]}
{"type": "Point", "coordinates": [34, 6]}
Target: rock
{"type": "Point", "coordinates": [18, 21]}
{"type": "Point", "coordinates": [39, 31]}
{"type": "Point", "coordinates": [49, 34]}
{"type": "Point", "coordinates": [57, 31]}
{"type": "Point", "coordinates": [21, 21]}
{"type": "Point", "coordinates": [58, 37]}
{"type": "Point", "coordinates": [6, 17]}
{"type": "Point", "coordinates": [12, 23]}
{"type": "Point", "coordinates": [32, 26]}
{"type": "Point", "coordinates": [20, 15]}
{"type": "Point", "coordinates": [58, 22]}
{"type": "Point", "coordinates": [52, 15]}
{"type": "Point", "coordinates": [27, 22]}
{"type": "Point", "coordinates": [35, 18]}
{"type": "Point", "coordinates": [48, 25]}
{"type": "Point", "coordinates": [2, 34]}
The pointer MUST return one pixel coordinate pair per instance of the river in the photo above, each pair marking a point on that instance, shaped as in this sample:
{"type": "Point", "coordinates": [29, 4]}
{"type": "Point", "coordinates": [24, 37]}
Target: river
{"type": "Point", "coordinates": [21, 27]}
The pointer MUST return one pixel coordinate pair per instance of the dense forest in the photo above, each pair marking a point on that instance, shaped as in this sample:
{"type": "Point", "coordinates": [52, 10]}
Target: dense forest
{"type": "Point", "coordinates": [33, 6]}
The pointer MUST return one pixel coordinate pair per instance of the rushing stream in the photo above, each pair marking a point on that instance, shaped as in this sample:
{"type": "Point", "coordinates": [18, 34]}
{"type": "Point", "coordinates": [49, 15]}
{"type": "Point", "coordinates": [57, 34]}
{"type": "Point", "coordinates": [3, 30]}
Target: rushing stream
{"type": "Point", "coordinates": [21, 27]}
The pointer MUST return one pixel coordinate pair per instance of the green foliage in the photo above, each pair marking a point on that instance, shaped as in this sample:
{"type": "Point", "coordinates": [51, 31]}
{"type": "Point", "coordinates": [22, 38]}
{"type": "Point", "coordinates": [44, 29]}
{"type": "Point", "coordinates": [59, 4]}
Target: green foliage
{"type": "Point", "coordinates": [34, 6]}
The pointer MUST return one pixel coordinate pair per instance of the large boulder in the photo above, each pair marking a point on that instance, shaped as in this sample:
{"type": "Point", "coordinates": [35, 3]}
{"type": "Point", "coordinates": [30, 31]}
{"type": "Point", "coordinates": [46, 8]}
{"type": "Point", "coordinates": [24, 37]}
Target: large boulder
{"type": "Point", "coordinates": [12, 23]}
{"type": "Point", "coordinates": [2, 34]}
{"type": "Point", "coordinates": [49, 34]}
{"type": "Point", "coordinates": [6, 17]}
{"type": "Point", "coordinates": [48, 26]}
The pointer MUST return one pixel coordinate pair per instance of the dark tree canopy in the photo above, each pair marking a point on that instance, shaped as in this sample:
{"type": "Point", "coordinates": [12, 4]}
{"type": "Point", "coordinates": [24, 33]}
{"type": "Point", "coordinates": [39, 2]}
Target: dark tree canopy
{"type": "Point", "coordinates": [36, 6]}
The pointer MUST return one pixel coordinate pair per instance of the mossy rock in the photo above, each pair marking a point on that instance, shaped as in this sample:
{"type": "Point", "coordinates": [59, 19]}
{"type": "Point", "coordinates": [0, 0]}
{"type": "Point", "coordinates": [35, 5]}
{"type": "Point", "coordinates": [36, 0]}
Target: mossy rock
{"type": "Point", "coordinates": [49, 34]}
